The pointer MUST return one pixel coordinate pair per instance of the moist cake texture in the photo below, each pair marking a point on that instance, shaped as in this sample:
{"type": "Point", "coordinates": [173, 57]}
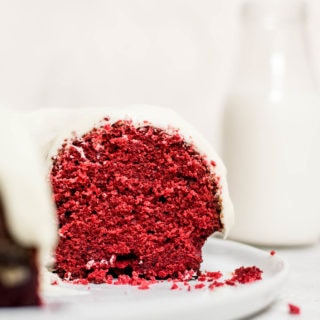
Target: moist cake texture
{"type": "Point", "coordinates": [135, 195]}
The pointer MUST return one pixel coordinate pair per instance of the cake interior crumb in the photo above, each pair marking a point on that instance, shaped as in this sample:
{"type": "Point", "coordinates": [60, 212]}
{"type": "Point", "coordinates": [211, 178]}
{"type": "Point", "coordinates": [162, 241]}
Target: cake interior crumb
{"type": "Point", "coordinates": [132, 201]}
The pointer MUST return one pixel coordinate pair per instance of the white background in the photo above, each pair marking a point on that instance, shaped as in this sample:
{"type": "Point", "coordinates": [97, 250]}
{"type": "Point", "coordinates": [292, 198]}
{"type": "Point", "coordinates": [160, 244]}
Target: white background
{"type": "Point", "coordinates": [114, 52]}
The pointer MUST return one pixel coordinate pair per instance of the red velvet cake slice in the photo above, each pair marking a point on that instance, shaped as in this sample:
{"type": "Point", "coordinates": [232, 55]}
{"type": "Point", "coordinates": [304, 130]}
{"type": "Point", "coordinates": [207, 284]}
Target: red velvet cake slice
{"type": "Point", "coordinates": [27, 218]}
{"type": "Point", "coordinates": [138, 191]}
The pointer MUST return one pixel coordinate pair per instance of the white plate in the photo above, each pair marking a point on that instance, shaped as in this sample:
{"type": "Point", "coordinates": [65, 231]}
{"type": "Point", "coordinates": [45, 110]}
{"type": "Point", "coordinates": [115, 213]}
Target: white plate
{"type": "Point", "coordinates": [159, 302]}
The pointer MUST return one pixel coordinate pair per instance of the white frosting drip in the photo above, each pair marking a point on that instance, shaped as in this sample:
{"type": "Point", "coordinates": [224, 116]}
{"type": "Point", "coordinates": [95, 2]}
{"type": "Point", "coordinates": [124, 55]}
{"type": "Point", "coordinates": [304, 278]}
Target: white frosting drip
{"type": "Point", "coordinates": [59, 124]}
{"type": "Point", "coordinates": [25, 194]}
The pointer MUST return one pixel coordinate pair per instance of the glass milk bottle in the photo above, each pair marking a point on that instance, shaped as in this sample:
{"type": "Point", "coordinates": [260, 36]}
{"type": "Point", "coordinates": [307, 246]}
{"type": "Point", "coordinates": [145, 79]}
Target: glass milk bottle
{"type": "Point", "coordinates": [271, 134]}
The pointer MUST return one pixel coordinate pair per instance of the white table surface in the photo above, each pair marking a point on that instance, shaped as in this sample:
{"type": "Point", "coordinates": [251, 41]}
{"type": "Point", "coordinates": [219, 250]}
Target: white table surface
{"type": "Point", "coordinates": [302, 287]}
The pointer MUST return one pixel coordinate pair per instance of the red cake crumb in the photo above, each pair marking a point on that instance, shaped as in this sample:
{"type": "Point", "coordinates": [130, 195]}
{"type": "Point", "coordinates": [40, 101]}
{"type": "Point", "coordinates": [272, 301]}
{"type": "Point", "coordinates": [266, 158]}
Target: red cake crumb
{"type": "Point", "coordinates": [230, 282]}
{"type": "Point", "coordinates": [174, 286]}
{"type": "Point", "coordinates": [205, 280]}
{"type": "Point", "coordinates": [210, 276]}
{"type": "Point", "coordinates": [241, 275]}
{"type": "Point", "coordinates": [199, 286]}
{"type": "Point", "coordinates": [246, 274]}
{"type": "Point", "coordinates": [187, 275]}
{"type": "Point", "coordinates": [54, 283]}
{"type": "Point", "coordinates": [216, 284]}
{"type": "Point", "coordinates": [109, 279]}
{"type": "Point", "coordinates": [144, 286]}
{"type": "Point", "coordinates": [81, 281]}
{"type": "Point", "coordinates": [293, 309]}
{"type": "Point", "coordinates": [132, 200]}
{"type": "Point", "coordinates": [97, 276]}
{"type": "Point", "coordinates": [202, 277]}
{"type": "Point", "coordinates": [123, 279]}
{"type": "Point", "coordinates": [272, 252]}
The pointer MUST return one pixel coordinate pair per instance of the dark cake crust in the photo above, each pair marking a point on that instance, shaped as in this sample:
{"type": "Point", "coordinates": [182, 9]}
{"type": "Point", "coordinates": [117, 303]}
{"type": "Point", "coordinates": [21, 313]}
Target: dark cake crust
{"type": "Point", "coordinates": [18, 270]}
{"type": "Point", "coordinates": [132, 200]}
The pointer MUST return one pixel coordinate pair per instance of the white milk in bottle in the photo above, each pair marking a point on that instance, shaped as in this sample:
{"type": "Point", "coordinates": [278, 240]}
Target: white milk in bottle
{"type": "Point", "coordinates": [271, 136]}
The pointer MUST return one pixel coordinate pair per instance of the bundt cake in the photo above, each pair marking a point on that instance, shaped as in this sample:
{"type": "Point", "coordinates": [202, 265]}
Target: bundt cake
{"type": "Point", "coordinates": [137, 190]}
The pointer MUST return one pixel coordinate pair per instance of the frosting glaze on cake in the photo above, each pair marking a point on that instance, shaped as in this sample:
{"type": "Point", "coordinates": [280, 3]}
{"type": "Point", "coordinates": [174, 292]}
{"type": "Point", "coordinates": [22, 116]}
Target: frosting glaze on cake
{"type": "Point", "coordinates": [28, 230]}
{"type": "Point", "coordinates": [89, 193]}
{"type": "Point", "coordinates": [52, 126]}
{"type": "Point", "coordinates": [24, 190]}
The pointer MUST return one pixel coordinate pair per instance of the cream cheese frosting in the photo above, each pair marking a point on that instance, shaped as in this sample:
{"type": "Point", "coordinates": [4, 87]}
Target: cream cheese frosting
{"type": "Point", "coordinates": [51, 127]}
{"type": "Point", "coordinates": [24, 191]}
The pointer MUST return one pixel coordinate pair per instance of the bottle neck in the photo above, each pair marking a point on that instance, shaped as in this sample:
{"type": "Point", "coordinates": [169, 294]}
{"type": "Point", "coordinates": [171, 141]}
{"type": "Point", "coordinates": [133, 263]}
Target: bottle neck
{"type": "Point", "coordinates": [273, 13]}
{"type": "Point", "coordinates": [273, 58]}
